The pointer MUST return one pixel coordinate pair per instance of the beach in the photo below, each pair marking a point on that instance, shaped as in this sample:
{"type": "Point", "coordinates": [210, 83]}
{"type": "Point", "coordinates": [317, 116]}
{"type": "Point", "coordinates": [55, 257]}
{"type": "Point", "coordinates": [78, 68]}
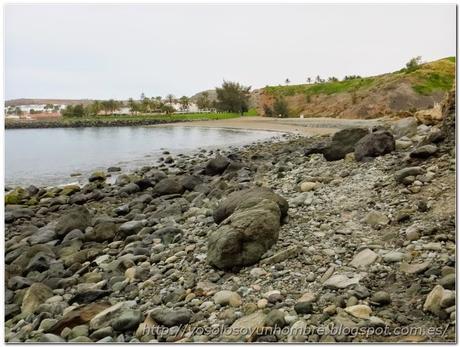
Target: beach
{"type": "Point", "coordinates": [300, 126]}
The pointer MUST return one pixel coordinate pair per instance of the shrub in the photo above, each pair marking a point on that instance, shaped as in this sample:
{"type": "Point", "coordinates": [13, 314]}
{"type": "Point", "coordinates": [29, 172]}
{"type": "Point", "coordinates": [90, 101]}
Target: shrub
{"type": "Point", "coordinates": [280, 108]}
{"type": "Point", "coordinates": [268, 112]}
{"type": "Point", "coordinates": [413, 64]}
{"type": "Point", "coordinates": [232, 97]}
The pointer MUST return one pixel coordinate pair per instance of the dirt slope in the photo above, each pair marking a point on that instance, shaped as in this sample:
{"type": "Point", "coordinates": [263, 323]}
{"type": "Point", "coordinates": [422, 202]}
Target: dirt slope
{"type": "Point", "coordinates": [399, 93]}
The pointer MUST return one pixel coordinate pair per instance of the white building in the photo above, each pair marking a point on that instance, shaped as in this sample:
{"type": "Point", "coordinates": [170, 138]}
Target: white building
{"type": "Point", "coordinates": [39, 108]}
{"type": "Point", "coordinates": [123, 110]}
{"type": "Point", "coordinates": [192, 108]}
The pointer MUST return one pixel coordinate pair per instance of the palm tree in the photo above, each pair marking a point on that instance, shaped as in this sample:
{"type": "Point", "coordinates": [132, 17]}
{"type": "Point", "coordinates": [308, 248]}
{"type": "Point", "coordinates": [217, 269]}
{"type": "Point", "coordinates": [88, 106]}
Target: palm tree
{"type": "Point", "coordinates": [145, 103]}
{"type": "Point", "coordinates": [308, 80]}
{"type": "Point", "coordinates": [287, 81]}
{"type": "Point", "coordinates": [170, 98]}
{"type": "Point", "coordinates": [96, 107]}
{"type": "Point", "coordinates": [132, 106]}
{"type": "Point", "coordinates": [184, 103]}
{"type": "Point", "coordinates": [110, 106]}
{"type": "Point", "coordinates": [203, 102]}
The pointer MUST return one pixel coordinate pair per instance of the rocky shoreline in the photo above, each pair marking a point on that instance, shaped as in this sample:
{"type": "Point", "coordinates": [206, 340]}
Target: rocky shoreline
{"type": "Point", "coordinates": [95, 123]}
{"type": "Point", "coordinates": [356, 231]}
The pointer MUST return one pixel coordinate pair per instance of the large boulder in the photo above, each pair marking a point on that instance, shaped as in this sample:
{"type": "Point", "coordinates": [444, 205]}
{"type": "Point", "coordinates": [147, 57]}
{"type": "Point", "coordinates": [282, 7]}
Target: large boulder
{"type": "Point", "coordinates": [246, 235]}
{"type": "Point", "coordinates": [228, 206]}
{"type": "Point", "coordinates": [97, 176]}
{"type": "Point", "coordinates": [168, 186]}
{"type": "Point", "coordinates": [374, 145]}
{"type": "Point", "coordinates": [144, 183]}
{"type": "Point", "coordinates": [130, 188]}
{"type": "Point", "coordinates": [317, 147]}
{"type": "Point", "coordinates": [34, 296]}
{"type": "Point", "coordinates": [423, 152]}
{"type": "Point", "coordinates": [190, 181]}
{"type": "Point", "coordinates": [430, 116]}
{"type": "Point", "coordinates": [343, 142]}
{"type": "Point", "coordinates": [405, 127]}
{"type": "Point", "coordinates": [216, 166]}
{"type": "Point", "coordinates": [103, 232]}
{"type": "Point", "coordinates": [16, 196]}
{"type": "Point", "coordinates": [77, 218]}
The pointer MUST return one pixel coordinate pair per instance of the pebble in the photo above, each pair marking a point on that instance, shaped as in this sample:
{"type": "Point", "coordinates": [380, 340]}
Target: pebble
{"type": "Point", "coordinates": [226, 297]}
{"type": "Point", "coordinates": [307, 186]}
{"type": "Point", "coordinates": [381, 297]}
{"type": "Point", "coordinates": [359, 311]}
{"type": "Point", "coordinates": [364, 258]}
{"type": "Point", "coordinates": [393, 257]}
{"type": "Point", "coordinates": [303, 307]}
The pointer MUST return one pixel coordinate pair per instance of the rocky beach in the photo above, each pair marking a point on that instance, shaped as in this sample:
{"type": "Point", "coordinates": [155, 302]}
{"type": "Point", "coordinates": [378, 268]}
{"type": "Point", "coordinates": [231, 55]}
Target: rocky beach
{"type": "Point", "coordinates": [347, 237]}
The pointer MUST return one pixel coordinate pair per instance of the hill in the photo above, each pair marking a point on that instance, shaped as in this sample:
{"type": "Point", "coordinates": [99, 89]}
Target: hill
{"type": "Point", "coordinates": [393, 94]}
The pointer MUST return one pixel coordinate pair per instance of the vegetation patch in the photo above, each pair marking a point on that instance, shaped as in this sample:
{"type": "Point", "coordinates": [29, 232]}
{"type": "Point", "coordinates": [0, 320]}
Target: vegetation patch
{"type": "Point", "coordinates": [426, 78]}
{"type": "Point", "coordinates": [434, 82]}
{"type": "Point", "coordinates": [321, 88]}
{"type": "Point", "coordinates": [435, 76]}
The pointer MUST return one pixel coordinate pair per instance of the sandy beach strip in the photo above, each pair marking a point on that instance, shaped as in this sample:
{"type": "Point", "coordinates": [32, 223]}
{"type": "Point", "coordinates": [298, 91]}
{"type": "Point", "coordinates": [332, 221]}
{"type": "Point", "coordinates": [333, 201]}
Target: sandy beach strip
{"type": "Point", "coordinates": [305, 126]}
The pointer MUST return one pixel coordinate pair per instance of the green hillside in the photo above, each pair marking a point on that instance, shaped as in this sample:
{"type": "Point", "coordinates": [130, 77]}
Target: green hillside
{"type": "Point", "coordinates": [429, 77]}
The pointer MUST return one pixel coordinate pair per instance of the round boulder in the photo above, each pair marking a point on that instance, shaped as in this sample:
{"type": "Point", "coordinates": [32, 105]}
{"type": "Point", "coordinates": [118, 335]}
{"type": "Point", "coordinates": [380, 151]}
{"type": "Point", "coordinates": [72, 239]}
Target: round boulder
{"type": "Point", "coordinates": [374, 145]}
{"type": "Point", "coordinates": [245, 236]}
{"type": "Point", "coordinates": [228, 206]}
{"type": "Point", "coordinates": [168, 186]}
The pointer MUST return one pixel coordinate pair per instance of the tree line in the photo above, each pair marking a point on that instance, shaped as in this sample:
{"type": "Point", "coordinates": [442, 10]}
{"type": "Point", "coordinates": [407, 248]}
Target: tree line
{"type": "Point", "coordinates": [231, 97]}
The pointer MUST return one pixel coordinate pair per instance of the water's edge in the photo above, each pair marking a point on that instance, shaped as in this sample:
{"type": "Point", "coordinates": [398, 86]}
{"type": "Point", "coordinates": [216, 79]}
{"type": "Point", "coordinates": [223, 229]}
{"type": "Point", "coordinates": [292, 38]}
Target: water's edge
{"type": "Point", "coordinates": [149, 159]}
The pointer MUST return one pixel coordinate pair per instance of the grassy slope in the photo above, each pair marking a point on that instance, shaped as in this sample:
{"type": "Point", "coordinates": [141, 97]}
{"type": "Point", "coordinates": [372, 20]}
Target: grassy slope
{"type": "Point", "coordinates": [430, 77]}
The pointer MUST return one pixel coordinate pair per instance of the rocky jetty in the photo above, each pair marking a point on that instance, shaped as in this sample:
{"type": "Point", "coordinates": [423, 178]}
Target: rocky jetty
{"type": "Point", "coordinates": [269, 242]}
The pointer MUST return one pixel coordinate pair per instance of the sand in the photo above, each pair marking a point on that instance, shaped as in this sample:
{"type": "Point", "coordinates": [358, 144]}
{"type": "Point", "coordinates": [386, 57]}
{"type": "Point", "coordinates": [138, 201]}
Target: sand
{"type": "Point", "coordinates": [306, 126]}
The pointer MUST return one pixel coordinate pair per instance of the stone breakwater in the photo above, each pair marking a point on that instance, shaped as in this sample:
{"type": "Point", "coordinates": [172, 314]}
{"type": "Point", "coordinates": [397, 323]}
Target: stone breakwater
{"type": "Point", "coordinates": [328, 237]}
{"type": "Point", "coordinates": [42, 124]}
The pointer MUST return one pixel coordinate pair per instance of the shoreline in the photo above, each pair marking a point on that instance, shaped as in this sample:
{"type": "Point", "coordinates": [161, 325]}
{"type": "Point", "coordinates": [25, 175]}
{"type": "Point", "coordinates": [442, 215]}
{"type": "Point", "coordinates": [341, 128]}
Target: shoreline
{"type": "Point", "coordinates": [297, 126]}
{"type": "Point", "coordinates": [288, 128]}
{"type": "Point", "coordinates": [130, 167]}
{"type": "Point", "coordinates": [301, 126]}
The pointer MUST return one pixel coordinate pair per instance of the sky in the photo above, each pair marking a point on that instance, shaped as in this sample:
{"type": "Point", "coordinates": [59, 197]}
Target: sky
{"type": "Point", "coordinates": [119, 51]}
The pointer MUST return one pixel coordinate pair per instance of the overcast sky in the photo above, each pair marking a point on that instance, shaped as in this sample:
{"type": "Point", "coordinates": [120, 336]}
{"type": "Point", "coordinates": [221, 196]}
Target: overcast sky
{"type": "Point", "coordinates": [118, 51]}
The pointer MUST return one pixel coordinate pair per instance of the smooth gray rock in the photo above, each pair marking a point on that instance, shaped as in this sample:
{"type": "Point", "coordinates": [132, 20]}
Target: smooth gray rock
{"type": "Point", "coordinates": [102, 232]}
{"type": "Point", "coordinates": [228, 206]}
{"type": "Point", "coordinates": [424, 152]}
{"type": "Point", "coordinates": [131, 227]}
{"type": "Point", "coordinates": [405, 127]}
{"type": "Point", "coordinates": [171, 317]}
{"type": "Point", "coordinates": [343, 142]}
{"type": "Point", "coordinates": [216, 165]}
{"type": "Point", "coordinates": [168, 186]}
{"type": "Point", "coordinates": [374, 145]}
{"type": "Point", "coordinates": [245, 236]}
{"type": "Point", "coordinates": [77, 218]}
{"type": "Point", "coordinates": [408, 171]}
{"type": "Point", "coordinates": [128, 320]}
